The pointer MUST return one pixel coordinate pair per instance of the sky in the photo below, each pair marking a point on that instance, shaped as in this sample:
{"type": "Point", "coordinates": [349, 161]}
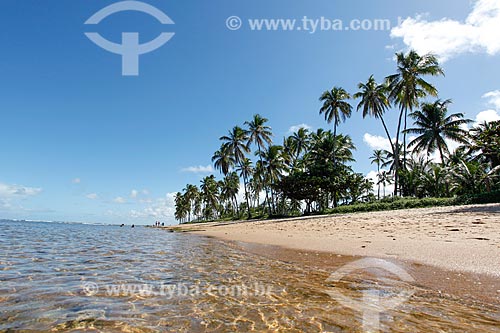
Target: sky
{"type": "Point", "coordinates": [81, 142]}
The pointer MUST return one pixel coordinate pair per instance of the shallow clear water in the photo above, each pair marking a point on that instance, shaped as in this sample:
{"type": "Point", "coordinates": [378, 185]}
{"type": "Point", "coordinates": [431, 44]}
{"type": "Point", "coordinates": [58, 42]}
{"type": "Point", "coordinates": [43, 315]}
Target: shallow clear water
{"type": "Point", "coordinates": [69, 277]}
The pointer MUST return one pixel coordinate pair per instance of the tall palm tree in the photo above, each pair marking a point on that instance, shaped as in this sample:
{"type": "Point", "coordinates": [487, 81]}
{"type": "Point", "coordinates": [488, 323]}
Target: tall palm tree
{"type": "Point", "coordinates": [236, 143]}
{"type": "Point", "coordinates": [374, 102]}
{"type": "Point", "coordinates": [246, 170]}
{"type": "Point", "coordinates": [181, 207]}
{"type": "Point", "coordinates": [336, 108]}
{"type": "Point", "coordinates": [260, 134]}
{"type": "Point", "coordinates": [190, 193]}
{"type": "Point", "coordinates": [229, 187]}
{"type": "Point", "coordinates": [233, 184]}
{"type": "Point", "coordinates": [407, 86]}
{"type": "Point", "coordinates": [378, 158]}
{"type": "Point", "coordinates": [210, 193]}
{"type": "Point", "coordinates": [223, 160]}
{"type": "Point", "coordinates": [433, 126]}
{"type": "Point", "coordinates": [273, 164]}
{"type": "Point", "coordinates": [299, 142]}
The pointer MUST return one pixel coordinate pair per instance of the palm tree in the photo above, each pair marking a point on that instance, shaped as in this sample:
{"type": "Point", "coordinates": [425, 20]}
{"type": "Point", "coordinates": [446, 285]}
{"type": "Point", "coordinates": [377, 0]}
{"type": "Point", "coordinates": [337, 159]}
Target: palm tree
{"type": "Point", "coordinates": [210, 193]}
{"type": "Point", "coordinates": [434, 126]}
{"type": "Point", "coordinates": [374, 102]}
{"type": "Point", "coordinates": [407, 86]}
{"type": "Point", "coordinates": [260, 134]}
{"type": "Point", "coordinates": [181, 207]}
{"type": "Point", "coordinates": [335, 108]}
{"type": "Point", "coordinates": [233, 187]}
{"type": "Point", "coordinates": [190, 194]}
{"type": "Point", "coordinates": [384, 179]}
{"type": "Point", "coordinates": [223, 160]}
{"type": "Point", "coordinates": [246, 170]}
{"type": "Point", "coordinates": [325, 147]}
{"type": "Point", "coordinates": [379, 158]}
{"type": "Point", "coordinates": [229, 187]}
{"type": "Point", "coordinates": [485, 143]}
{"type": "Point", "coordinates": [273, 164]}
{"type": "Point", "coordinates": [299, 141]}
{"type": "Point", "coordinates": [236, 143]}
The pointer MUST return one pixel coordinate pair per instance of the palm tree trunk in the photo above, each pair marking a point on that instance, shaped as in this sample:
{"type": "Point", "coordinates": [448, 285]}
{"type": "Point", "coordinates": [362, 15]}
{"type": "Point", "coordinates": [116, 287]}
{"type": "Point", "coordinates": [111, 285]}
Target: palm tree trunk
{"type": "Point", "coordinates": [334, 157]}
{"type": "Point", "coordinates": [404, 140]}
{"type": "Point", "coordinates": [378, 174]}
{"type": "Point", "coordinates": [246, 197]}
{"type": "Point", "coordinates": [441, 155]}
{"type": "Point", "coordinates": [236, 205]}
{"type": "Point", "coordinates": [396, 156]}
{"type": "Point", "coordinates": [265, 187]}
{"type": "Point", "coordinates": [387, 132]}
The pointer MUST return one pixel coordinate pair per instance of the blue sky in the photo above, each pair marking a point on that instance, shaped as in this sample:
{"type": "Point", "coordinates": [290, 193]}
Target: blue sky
{"type": "Point", "coordinates": [81, 142]}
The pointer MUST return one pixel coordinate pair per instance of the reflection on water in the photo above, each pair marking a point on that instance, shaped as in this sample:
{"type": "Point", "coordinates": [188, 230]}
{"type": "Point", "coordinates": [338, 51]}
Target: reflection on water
{"type": "Point", "coordinates": [46, 268]}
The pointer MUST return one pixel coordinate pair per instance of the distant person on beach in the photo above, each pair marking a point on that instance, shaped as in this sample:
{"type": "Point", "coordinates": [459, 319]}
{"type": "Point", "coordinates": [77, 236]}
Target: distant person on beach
{"type": "Point", "coordinates": [163, 224]}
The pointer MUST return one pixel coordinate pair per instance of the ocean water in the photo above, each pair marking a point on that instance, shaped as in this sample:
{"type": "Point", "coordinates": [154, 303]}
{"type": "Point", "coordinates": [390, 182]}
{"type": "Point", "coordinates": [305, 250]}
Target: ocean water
{"type": "Point", "coordinates": [95, 278]}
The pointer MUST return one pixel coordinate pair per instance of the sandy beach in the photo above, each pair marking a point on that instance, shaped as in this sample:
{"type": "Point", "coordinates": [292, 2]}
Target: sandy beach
{"type": "Point", "coordinates": [462, 238]}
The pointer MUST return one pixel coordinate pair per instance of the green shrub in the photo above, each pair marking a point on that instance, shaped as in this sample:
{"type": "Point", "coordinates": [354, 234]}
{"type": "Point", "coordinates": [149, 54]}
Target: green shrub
{"type": "Point", "coordinates": [393, 204]}
{"type": "Point", "coordinates": [483, 198]}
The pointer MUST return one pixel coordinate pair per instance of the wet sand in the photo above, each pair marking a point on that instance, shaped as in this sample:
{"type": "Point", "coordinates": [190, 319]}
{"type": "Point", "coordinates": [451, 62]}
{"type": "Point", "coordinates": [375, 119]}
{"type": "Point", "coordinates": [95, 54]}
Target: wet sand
{"type": "Point", "coordinates": [453, 250]}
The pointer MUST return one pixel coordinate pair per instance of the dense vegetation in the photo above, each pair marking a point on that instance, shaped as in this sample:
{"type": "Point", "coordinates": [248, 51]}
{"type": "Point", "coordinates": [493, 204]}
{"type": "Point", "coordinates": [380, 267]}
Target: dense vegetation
{"type": "Point", "coordinates": [311, 172]}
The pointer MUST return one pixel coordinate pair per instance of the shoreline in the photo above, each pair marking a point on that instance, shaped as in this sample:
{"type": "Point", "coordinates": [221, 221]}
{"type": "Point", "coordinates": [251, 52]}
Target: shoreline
{"type": "Point", "coordinates": [468, 287]}
{"type": "Point", "coordinates": [457, 238]}
{"type": "Point", "coordinates": [455, 249]}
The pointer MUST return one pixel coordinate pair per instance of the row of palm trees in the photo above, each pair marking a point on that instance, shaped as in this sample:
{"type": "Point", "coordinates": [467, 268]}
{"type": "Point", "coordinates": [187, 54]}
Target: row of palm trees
{"type": "Point", "coordinates": [264, 180]}
{"type": "Point", "coordinates": [311, 171]}
{"type": "Point", "coordinates": [404, 89]}
{"type": "Point", "coordinates": [473, 168]}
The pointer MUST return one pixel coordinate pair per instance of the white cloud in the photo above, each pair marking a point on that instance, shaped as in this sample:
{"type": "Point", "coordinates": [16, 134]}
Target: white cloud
{"type": "Point", "coordinates": [487, 116]}
{"type": "Point", "coordinates": [493, 98]}
{"type": "Point", "coordinates": [17, 191]}
{"type": "Point", "coordinates": [162, 208]}
{"type": "Point", "coordinates": [448, 38]}
{"type": "Point", "coordinates": [119, 200]}
{"type": "Point", "coordinates": [76, 181]}
{"type": "Point", "coordinates": [377, 142]}
{"type": "Point", "coordinates": [295, 128]}
{"type": "Point", "coordinates": [92, 196]}
{"type": "Point", "coordinates": [134, 194]}
{"type": "Point", "coordinates": [199, 169]}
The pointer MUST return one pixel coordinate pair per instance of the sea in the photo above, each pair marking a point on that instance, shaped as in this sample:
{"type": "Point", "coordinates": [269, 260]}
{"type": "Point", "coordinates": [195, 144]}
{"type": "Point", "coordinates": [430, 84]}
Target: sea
{"type": "Point", "coordinates": [68, 277]}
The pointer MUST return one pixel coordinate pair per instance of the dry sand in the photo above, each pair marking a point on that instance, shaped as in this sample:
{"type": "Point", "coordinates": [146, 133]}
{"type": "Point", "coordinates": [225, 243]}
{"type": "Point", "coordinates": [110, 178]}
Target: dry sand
{"type": "Point", "coordinates": [461, 238]}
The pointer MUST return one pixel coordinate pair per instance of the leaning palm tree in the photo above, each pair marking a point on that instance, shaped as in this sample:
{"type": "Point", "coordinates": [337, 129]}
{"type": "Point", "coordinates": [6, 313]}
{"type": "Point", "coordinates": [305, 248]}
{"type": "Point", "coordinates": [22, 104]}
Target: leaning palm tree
{"type": "Point", "coordinates": [259, 134]}
{"type": "Point", "coordinates": [236, 143]}
{"type": "Point", "coordinates": [374, 102]}
{"type": "Point", "coordinates": [407, 86]}
{"type": "Point", "coordinates": [378, 158]}
{"type": "Point", "coordinates": [336, 108]}
{"type": "Point", "coordinates": [434, 126]}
